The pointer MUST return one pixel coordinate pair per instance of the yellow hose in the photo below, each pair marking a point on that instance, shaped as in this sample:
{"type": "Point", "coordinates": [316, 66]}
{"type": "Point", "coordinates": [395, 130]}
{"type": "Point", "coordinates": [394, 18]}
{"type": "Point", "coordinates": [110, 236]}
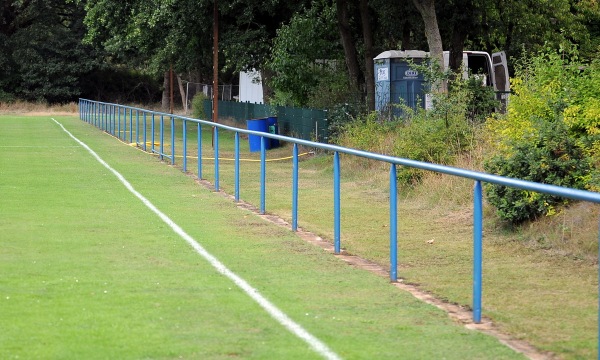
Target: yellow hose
{"type": "Point", "coordinates": [149, 144]}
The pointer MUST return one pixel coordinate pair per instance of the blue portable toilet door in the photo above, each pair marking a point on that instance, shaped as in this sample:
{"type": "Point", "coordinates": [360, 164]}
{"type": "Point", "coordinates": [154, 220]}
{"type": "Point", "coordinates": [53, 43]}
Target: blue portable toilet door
{"type": "Point", "coordinates": [409, 92]}
{"type": "Point", "coordinates": [407, 85]}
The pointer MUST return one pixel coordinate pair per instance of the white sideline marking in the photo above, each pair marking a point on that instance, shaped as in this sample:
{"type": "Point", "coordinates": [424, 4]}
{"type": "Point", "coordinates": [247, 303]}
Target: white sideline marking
{"type": "Point", "coordinates": [36, 146]}
{"type": "Point", "coordinates": [271, 309]}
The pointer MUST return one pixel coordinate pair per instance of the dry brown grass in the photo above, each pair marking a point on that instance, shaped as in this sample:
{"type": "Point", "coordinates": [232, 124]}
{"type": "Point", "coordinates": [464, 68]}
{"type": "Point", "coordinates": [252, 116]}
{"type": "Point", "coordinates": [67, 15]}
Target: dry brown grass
{"type": "Point", "coordinates": [37, 108]}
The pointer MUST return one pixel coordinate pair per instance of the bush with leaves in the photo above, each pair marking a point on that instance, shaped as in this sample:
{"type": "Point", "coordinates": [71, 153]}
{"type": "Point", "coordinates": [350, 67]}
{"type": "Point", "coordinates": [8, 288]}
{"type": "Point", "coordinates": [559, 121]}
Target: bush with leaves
{"type": "Point", "coordinates": [549, 156]}
{"type": "Point", "coordinates": [198, 111]}
{"type": "Point", "coordinates": [546, 135]}
{"type": "Point", "coordinates": [437, 135]}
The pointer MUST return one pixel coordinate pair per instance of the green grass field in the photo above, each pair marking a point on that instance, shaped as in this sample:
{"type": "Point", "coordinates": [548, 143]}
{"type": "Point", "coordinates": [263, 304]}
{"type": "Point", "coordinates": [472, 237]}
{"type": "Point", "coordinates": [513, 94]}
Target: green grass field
{"type": "Point", "coordinates": [88, 272]}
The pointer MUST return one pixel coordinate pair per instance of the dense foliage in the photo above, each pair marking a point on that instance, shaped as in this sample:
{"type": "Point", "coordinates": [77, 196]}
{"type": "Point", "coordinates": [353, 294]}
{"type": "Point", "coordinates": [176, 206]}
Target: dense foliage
{"type": "Point", "coordinates": [551, 133]}
{"type": "Point", "coordinates": [438, 135]}
{"type": "Point", "coordinates": [41, 54]}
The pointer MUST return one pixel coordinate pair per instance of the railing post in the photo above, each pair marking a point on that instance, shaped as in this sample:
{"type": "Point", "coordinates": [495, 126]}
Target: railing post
{"type": "Point", "coordinates": [119, 122]}
{"type": "Point", "coordinates": [184, 139]}
{"type": "Point", "coordinates": [162, 136]}
{"type": "Point", "coordinates": [137, 127]}
{"type": "Point", "coordinates": [114, 120]}
{"type": "Point", "coordinates": [130, 125]}
{"type": "Point", "coordinates": [172, 140]}
{"type": "Point", "coordinates": [216, 132]}
{"type": "Point", "coordinates": [145, 135]}
{"type": "Point", "coordinates": [477, 250]}
{"type": "Point", "coordinates": [263, 174]}
{"type": "Point", "coordinates": [199, 151]}
{"type": "Point", "coordinates": [152, 136]}
{"type": "Point", "coordinates": [237, 166]}
{"type": "Point", "coordinates": [336, 202]}
{"type": "Point", "coordinates": [295, 188]}
{"type": "Point", "coordinates": [393, 224]}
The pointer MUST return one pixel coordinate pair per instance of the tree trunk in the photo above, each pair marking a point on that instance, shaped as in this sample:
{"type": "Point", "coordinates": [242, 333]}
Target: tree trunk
{"type": "Point", "coordinates": [369, 63]}
{"type": "Point", "coordinates": [406, 29]}
{"type": "Point", "coordinates": [432, 32]}
{"type": "Point", "coordinates": [456, 51]}
{"type": "Point", "coordinates": [182, 93]}
{"type": "Point", "coordinates": [265, 78]}
{"type": "Point", "coordinates": [348, 42]}
{"type": "Point", "coordinates": [166, 99]}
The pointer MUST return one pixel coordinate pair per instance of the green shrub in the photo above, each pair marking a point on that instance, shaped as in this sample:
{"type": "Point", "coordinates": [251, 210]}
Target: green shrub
{"type": "Point", "coordinates": [198, 106]}
{"type": "Point", "coordinates": [550, 134]}
{"type": "Point", "coordinates": [550, 156]}
{"type": "Point", "coordinates": [435, 136]}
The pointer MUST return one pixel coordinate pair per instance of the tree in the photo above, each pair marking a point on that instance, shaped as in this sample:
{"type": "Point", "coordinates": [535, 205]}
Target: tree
{"type": "Point", "coordinates": [305, 55]}
{"type": "Point", "coordinates": [432, 31]}
{"type": "Point", "coordinates": [156, 34]}
{"type": "Point", "coordinates": [42, 58]}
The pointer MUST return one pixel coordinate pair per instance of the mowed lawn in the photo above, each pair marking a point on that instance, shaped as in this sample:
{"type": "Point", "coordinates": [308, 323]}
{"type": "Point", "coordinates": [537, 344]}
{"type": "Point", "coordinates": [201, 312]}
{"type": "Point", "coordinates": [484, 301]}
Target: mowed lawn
{"type": "Point", "coordinates": [89, 272]}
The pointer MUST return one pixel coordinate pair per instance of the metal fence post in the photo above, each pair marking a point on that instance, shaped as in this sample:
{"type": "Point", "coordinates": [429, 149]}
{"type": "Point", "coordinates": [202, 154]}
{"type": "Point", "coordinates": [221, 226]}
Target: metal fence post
{"type": "Point", "coordinates": [130, 126]}
{"type": "Point", "coordinates": [145, 136]}
{"type": "Point", "coordinates": [336, 202]}
{"type": "Point", "coordinates": [162, 137]}
{"type": "Point", "coordinates": [295, 189]}
{"type": "Point", "coordinates": [393, 224]}
{"type": "Point", "coordinates": [172, 140]}
{"type": "Point", "coordinates": [199, 139]}
{"type": "Point", "coordinates": [216, 132]}
{"type": "Point", "coordinates": [263, 175]}
{"type": "Point", "coordinates": [237, 167]}
{"type": "Point", "coordinates": [184, 139]}
{"type": "Point", "coordinates": [477, 250]}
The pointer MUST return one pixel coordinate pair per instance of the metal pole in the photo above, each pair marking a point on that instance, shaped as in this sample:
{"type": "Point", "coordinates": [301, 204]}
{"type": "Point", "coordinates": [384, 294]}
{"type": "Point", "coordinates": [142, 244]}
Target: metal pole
{"type": "Point", "coordinates": [130, 126]}
{"type": "Point", "coordinates": [477, 250]}
{"type": "Point", "coordinates": [336, 202]}
{"type": "Point", "coordinates": [263, 173]}
{"type": "Point", "coordinates": [145, 136]}
{"type": "Point", "coordinates": [152, 136]}
{"type": "Point", "coordinates": [162, 137]}
{"type": "Point", "coordinates": [172, 140]}
{"type": "Point", "coordinates": [184, 145]}
{"type": "Point", "coordinates": [237, 166]}
{"type": "Point", "coordinates": [393, 224]}
{"type": "Point", "coordinates": [216, 134]}
{"type": "Point", "coordinates": [295, 189]}
{"type": "Point", "coordinates": [199, 151]}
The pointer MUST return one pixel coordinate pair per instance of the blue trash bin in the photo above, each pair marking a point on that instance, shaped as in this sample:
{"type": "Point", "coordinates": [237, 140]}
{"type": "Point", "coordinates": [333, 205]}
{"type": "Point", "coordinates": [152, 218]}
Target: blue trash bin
{"type": "Point", "coordinates": [273, 129]}
{"type": "Point", "coordinates": [254, 140]}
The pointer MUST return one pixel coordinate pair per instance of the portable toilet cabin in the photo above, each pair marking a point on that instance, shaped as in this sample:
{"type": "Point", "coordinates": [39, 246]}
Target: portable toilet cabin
{"type": "Point", "coordinates": [396, 82]}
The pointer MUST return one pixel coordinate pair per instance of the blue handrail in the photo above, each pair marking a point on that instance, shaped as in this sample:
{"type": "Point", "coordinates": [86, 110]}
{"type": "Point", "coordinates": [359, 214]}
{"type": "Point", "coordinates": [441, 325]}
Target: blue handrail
{"type": "Point", "coordinates": [99, 114]}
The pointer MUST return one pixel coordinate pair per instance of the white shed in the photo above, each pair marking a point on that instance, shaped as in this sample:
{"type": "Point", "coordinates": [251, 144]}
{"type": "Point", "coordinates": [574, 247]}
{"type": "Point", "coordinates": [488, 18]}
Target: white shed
{"type": "Point", "coordinates": [251, 87]}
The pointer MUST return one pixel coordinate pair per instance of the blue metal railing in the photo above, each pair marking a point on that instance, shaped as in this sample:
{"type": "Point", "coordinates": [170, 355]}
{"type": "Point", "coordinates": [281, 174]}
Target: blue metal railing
{"type": "Point", "coordinates": [97, 113]}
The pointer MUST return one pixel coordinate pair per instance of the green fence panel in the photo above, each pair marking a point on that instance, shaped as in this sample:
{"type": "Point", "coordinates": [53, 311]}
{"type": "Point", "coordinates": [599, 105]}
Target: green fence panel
{"type": "Point", "coordinates": [307, 124]}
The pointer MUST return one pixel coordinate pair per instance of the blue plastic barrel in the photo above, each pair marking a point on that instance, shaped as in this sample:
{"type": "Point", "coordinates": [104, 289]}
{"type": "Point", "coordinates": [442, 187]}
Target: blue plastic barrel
{"type": "Point", "coordinates": [273, 129]}
{"type": "Point", "coordinates": [254, 140]}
